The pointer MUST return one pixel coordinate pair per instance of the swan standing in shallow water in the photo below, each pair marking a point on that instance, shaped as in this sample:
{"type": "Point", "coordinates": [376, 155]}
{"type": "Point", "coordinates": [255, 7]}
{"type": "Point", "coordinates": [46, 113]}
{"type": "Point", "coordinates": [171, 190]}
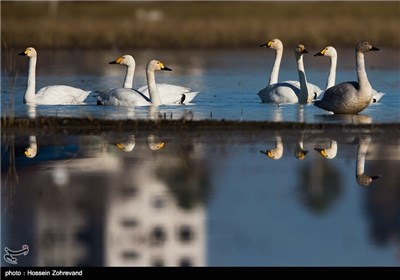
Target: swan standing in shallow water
{"type": "Point", "coordinates": [131, 97]}
{"type": "Point", "coordinates": [350, 97]}
{"type": "Point", "coordinates": [169, 94]}
{"type": "Point", "coordinates": [288, 91]}
{"type": "Point", "coordinates": [332, 54]}
{"type": "Point", "coordinates": [50, 95]}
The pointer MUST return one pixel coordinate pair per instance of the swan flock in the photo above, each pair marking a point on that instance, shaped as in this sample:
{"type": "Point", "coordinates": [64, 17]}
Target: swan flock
{"type": "Point", "coordinates": [343, 98]}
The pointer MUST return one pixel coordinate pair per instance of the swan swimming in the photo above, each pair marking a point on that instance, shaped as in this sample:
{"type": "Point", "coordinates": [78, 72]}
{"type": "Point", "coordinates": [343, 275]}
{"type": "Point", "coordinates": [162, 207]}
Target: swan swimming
{"type": "Point", "coordinates": [330, 52]}
{"type": "Point", "coordinates": [169, 94]}
{"type": "Point", "coordinates": [132, 97]}
{"type": "Point", "coordinates": [50, 95]}
{"type": "Point", "coordinates": [350, 97]}
{"type": "Point", "coordinates": [288, 91]}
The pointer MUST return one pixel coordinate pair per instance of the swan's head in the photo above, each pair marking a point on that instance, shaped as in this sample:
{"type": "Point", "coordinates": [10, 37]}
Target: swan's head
{"type": "Point", "coordinates": [127, 60]}
{"type": "Point", "coordinates": [325, 153]}
{"type": "Point", "coordinates": [273, 44]}
{"type": "Point", "coordinates": [126, 147]}
{"type": "Point", "coordinates": [31, 152]}
{"type": "Point", "coordinates": [156, 65]}
{"type": "Point", "coordinates": [154, 144]}
{"type": "Point", "coordinates": [328, 51]}
{"type": "Point", "coordinates": [273, 154]}
{"type": "Point", "coordinates": [365, 180]}
{"type": "Point", "coordinates": [29, 52]}
{"type": "Point", "coordinates": [365, 46]}
{"type": "Point", "coordinates": [300, 154]}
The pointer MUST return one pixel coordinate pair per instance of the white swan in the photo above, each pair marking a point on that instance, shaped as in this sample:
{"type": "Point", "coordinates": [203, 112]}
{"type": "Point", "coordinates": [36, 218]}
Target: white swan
{"type": "Point", "coordinates": [288, 91]}
{"type": "Point", "coordinates": [350, 97]}
{"type": "Point", "coordinates": [50, 95]}
{"type": "Point", "coordinates": [169, 94]}
{"type": "Point", "coordinates": [131, 97]}
{"type": "Point", "coordinates": [330, 52]}
{"type": "Point", "coordinates": [330, 152]}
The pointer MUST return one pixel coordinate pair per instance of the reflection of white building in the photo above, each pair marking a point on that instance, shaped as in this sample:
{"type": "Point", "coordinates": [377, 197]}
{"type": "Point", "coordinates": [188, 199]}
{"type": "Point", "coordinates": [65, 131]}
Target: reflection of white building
{"type": "Point", "coordinates": [145, 226]}
{"type": "Point", "coordinates": [113, 211]}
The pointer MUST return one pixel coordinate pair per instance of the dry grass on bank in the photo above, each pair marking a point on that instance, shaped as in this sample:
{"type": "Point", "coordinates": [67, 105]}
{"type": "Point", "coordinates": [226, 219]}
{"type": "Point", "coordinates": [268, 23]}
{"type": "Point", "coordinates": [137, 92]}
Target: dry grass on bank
{"type": "Point", "coordinates": [197, 24]}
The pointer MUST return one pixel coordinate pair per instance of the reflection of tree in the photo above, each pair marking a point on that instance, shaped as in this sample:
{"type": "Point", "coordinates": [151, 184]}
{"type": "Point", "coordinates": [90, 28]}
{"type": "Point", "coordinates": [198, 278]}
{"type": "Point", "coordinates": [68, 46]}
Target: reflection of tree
{"type": "Point", "coordinates": [186, 178]}
{"type": "Point", "coordinates": [319, 185]}
{"type": "Point", "coordinates": [382, 204]}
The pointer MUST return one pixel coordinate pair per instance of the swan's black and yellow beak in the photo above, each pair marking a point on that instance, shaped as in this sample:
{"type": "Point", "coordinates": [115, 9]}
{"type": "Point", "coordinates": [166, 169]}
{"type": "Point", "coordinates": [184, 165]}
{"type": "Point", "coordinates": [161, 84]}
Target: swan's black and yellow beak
{"type": "Point", "coordinates": [375, 177]}
{"type": "Point", "coordinates": [304, 51]}
{"type": "Point", "coordinates": [164, 68]}
{"type": "Point", "coordinates": [301, 155]}
{"type": "Point", "coordinates": [24, 53]}
{"type": "Point", "coordinates": [117, 61]}
{"type": "Point", "coordinates": [321, 53]}
{"type": "Point", "coordinates": [322, 152]}
{"type": "Point", "coordinates": [374, 49]}
{"type": "Point", "coordinates": [266, 45]}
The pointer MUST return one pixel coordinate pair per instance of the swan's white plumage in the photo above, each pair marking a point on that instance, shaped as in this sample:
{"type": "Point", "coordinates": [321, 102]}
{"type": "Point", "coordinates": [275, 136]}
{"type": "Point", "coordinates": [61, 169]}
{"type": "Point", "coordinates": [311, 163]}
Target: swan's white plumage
{"type": "Point", "coordinates": [287, 91]}
{"type": "Point", "coordinates": [331, 52]}
{"type": "Point", "coordinates": [132, 97]}
{"type": "Point", "coordinates": [169, 94]}
{"type": "Point", "coordinates": [50, 95]}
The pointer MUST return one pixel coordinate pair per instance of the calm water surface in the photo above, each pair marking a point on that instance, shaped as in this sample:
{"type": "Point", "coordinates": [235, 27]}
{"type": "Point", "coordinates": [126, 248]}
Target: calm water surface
{"type": "Point", "coordinates": [228, 82]}
{"type": "Point", "coordinates": [202, 198]}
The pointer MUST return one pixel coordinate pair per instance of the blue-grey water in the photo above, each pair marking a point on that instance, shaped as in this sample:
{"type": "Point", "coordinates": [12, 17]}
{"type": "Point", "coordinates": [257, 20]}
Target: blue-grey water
{"type": "Point", "coordinates": [228, 82]}
{"type": "Point", "coordinates": [200, 198]}
{"type": "Point", "coordinates": [203, 199]}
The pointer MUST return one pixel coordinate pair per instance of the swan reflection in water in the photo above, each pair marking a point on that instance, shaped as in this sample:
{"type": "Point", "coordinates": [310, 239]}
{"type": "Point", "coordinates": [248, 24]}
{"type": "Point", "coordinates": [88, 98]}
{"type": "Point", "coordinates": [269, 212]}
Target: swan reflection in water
{"type": "Point", "coordinates": [362, 150]}
{"type": "Point", "coordinates": [276, 153]}
{"type": "Point", "coordinates": [31, 151]}
{"type": "Point", "coordinates": [153, 142]}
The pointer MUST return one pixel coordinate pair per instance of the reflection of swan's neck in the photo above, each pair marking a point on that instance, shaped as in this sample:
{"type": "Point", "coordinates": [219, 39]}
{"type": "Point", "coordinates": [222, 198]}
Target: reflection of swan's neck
{"type": "Point", "coordinates": [30, 89]}
{"type": "Point", "coordinates": [299, 151]}
{"type": "Point", "coordinates": [130, 73]}
{"type": "Point", "coordinates": [361, 154]}
{"type": "Point", "coordinates": [31, 151]}
{"type": "Point", "coordinates": [275, 69]}
{"type": "Point", "coordinates": [332, 72]}
{"type": "Point", "coordinates": [303, 96]}
{"type": "Point", "coordinates": [361, 73]}
{"type": "Point", "coordinates": [153, 91]}
{"type": "Point", "coordinates": [277, 152]}
{"type": "Point", "coordinates": [331, 152]}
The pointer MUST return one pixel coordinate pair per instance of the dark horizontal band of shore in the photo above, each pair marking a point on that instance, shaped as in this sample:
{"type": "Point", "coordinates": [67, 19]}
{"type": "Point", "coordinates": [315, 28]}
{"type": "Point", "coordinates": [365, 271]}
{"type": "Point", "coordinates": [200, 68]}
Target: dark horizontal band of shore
{"type": "Point", "coordinates": [92, 125]}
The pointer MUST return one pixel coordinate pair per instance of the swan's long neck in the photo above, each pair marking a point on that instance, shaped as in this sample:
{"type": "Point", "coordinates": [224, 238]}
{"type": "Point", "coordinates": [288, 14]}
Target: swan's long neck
{"type": "Point", "coordinates": [130, 73]}
{"type": "Point", "coordinates": [153, 91]}
{"type": "Point", "coordinates": [332, 72]}
{"type": "Point", "coordinates": [32, 142]}
{"type": "Point", "coordinates": [361, 73]}
{"type": "Point", "coordinates": [30, 89]}
{"type": "Point", "coordinates": [361, 154]}
{"type": "Point", "coordinates": [303, 96]}
{"type": "Point", "coordinates": [273, 79]}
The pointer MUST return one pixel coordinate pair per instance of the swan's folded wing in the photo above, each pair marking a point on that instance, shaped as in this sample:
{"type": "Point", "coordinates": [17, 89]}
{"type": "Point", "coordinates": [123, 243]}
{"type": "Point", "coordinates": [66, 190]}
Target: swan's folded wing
{"type": "Point", "coordinates": [60, 94]}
